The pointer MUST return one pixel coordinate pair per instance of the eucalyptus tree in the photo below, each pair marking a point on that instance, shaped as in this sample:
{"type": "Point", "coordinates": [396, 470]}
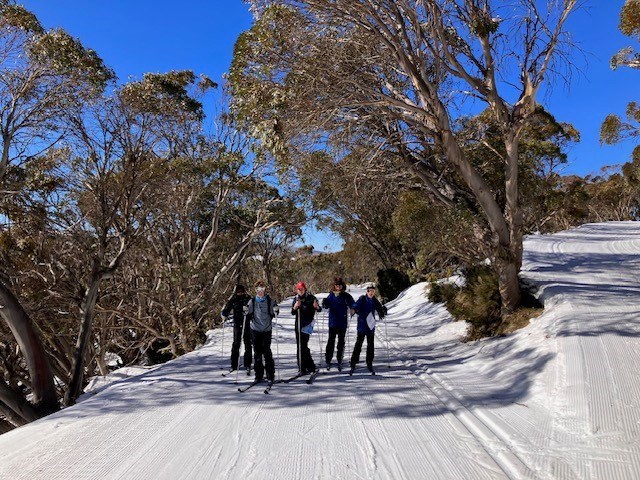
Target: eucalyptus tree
{"type": "Point", "coordinates": [358, 199]}
{"type": "Point", "coordinates": [217, 203]}
{"type": "Point", "coordinates": [614, 129]}
{"type": "Point", "coordinates": [119, 148]}
{"type": "Point", "coordinates": [310, 71]}
{"type": "Point", "coordinates": [42, 73]}
{"type": "Point", "coordinates": [629, 25]}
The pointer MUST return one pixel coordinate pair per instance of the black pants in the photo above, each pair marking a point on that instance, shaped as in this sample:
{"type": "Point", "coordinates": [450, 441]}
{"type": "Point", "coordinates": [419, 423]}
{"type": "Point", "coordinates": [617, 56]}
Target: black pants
{"type": "Point", "coordinates": [302, 345]}
{"type": "Point", "coordinates": [331, 341]}
{"type": "Point", "coordinates": [235, 348]}
{"type": "Point", "coordinates": [355, 358]}
{"type": "Point", "coordinates": [262, 348]}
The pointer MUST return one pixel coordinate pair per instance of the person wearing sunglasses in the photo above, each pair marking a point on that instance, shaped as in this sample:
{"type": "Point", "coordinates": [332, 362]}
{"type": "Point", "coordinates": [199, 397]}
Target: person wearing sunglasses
{"type": "Point", "coordinates": [261, 311]}
{"type": "Point", "coordinates": [366, 307]}
{"type": "Point", "coordinates": [304, 309]}
{"type": "Point", "coordinates": [338, 302]}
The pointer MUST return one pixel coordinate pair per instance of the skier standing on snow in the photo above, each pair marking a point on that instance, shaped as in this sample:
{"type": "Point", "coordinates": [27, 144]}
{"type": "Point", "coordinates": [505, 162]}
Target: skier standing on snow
{"type": "Point", "coordinates": [366, 306]}
{"type": "Point", "coordinates": [338, 302]}
{"type": "Point", "coordinates": [261, 311]}
{"type": "Point", "coordinates": [236, 304]}
{"type": "Point", "coordinates": [304, 309]}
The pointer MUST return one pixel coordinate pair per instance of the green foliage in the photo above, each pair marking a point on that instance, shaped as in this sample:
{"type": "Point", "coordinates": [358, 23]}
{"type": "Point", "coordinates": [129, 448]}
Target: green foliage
{"type": "Point", "coordinates": [478, 302]}
{"type": "Point", "coordinates": [392, 282]}
{"type": "Point", "coordinates": [443, 292]}
{"type": "Point", "coordinates": [165, 94]}
{"type": "Point", "coordinates": [19, 17]}
{"type": "Point", "coordinates": [65, 55]}
{"type": "Point", "coordinates": [611, 130]}
{"type": "Point", "coordinates": [630, 18]}
{"type": "Point", "coordinates": [436, 235]}
{"type": "Point", "coordinates": [482, 24]}
{"type": "Point", "coordinates": [257, 81]}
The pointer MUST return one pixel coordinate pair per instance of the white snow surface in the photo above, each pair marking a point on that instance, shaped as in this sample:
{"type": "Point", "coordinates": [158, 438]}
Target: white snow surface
{"type": "Point", "coordinates": [557, 399]}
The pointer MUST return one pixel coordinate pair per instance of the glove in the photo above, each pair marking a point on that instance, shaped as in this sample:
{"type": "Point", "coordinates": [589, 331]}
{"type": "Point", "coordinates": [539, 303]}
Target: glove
{"type": "Point", "coordinates": [276, 309]}
{"type": "Point", "coordinates": [245, 309]}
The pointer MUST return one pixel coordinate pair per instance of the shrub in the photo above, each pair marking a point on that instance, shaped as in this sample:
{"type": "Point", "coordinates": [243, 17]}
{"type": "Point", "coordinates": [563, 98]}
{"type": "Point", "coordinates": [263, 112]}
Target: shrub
{"type": "Point", "coordinates": [443, 293]}
{"type": "Point", "coordinates": [478, 303]}
{"type": "Point", "coordinates": [392, 282]}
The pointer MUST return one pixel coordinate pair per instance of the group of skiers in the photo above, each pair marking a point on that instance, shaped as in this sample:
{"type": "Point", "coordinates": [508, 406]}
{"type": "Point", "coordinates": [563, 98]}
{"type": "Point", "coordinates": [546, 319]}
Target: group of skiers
{"type": "Point", "coordinates": [253, 317]}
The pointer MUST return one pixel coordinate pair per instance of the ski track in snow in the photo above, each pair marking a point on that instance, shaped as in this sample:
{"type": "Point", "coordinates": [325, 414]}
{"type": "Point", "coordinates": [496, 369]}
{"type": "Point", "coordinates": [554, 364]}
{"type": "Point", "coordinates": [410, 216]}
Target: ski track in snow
{"type": "Point", "coordinates": [557, 399]}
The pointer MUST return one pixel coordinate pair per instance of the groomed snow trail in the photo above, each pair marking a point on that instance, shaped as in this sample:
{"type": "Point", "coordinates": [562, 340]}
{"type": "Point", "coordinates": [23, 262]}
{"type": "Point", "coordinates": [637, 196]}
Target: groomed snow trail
{"type": "Point", "coordinates": [558, 399]}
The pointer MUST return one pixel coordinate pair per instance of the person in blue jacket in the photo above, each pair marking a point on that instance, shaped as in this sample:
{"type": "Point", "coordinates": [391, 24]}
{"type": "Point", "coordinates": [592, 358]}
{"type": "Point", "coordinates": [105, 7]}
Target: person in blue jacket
{"type": "Point", "coordinates": [367, 306]}
{"type": "Point", "coordinates": [338, 302]}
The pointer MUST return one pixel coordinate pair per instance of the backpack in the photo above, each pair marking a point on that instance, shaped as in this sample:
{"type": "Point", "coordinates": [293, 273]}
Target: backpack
{"type": "Point", "coordinates": [253, 304]}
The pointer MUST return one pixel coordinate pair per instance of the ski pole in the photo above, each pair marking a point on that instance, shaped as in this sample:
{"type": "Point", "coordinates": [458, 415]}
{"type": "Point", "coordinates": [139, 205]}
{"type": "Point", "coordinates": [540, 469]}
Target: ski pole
{"type": "Point", "coordinates": [320, 338]}
{"type": "Point", "coordinates": [276, 309]}
{"type": "Point", "coordinates": [349, 318]}
{"type": "Point", "coordinates": [224, 320]}
{"type": "Point", "coordinates": [245, 310]}
{"type": "Point", "coordinates": [299, 343]}
{"type": "Point", "coordinates": [386, 334]}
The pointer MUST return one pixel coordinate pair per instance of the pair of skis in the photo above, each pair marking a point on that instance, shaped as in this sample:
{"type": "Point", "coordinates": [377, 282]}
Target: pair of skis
{"type": "Point", "coordinates": [229, 372]}
{"type": "Point", "coordinates": [253, 384]}
{"type": "Point", "coordinates": [310, 380]}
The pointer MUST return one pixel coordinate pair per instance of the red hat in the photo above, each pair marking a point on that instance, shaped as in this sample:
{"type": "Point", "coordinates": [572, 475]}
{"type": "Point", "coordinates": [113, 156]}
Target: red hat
{"type": "Point", "coordinates": [301, 286]}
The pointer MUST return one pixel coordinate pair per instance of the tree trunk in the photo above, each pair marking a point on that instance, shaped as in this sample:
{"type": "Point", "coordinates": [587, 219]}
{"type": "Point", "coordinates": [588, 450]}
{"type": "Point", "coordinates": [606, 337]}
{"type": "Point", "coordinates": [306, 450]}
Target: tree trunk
{"type": "Point", "coordinates": [508, 282]}
{"type": "Point", "coordinates": [87, 310]}
{"type": "Point", "coordinates": [44, 394]}
{"type": "Point", "coordinates": [513, 212]}
{"type": "Point", "coordinates": [506, 249]}
{"type": "Point", "coordinates": [4, 160]}
{"type": "Point", "coordinates": [4, 425]}
{"type": "Point", "coordinates": [13, 402]}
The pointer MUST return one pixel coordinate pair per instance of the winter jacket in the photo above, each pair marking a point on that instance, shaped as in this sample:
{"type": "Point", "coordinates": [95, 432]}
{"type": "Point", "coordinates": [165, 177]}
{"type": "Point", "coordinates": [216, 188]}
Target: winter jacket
{"type": "Point", "coordinates": [338, 306]}
{"type": "Point", "coordinates": [364, 306]}
{"type": "Point", "coordinates": [260, 313]}
{"type": "Point", "coordinates": [236, 305]}
{"type": "Point", "coordinates": [306, 310]}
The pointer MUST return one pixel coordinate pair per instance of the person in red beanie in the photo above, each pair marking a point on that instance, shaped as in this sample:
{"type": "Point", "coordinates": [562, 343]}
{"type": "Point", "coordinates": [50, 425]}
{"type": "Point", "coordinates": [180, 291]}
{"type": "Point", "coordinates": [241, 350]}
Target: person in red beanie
{"type": "Point", "coordinates": [304, 309]}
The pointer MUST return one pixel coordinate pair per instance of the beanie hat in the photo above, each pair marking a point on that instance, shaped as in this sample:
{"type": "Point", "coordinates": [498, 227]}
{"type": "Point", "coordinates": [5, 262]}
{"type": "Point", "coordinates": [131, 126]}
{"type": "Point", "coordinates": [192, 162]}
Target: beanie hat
{"type": "Point", "coordinates": [301, 286]}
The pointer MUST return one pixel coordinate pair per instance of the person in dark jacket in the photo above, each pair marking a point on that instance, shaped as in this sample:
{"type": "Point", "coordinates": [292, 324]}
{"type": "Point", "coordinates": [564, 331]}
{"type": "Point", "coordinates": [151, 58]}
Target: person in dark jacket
{"type": "Point", "coordinates": [260, 312]}
{"type": "Point", "coordinates": [338, 302]}
{"type": "Point", "coordinates": [366, 307]}
{"type": "Point", "coordinates": [236, 306]}
{"type": "Point", "coordinates": [304, 309]}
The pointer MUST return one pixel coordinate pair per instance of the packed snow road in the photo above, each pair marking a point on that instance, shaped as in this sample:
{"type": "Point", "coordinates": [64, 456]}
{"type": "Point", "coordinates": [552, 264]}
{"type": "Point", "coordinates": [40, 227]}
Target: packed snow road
{"type": "Point", "coordinates": [558, 399]}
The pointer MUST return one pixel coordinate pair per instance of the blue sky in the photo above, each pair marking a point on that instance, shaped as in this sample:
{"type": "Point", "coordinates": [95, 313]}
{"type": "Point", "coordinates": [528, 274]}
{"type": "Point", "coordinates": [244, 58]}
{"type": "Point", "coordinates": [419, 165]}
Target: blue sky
{"type": "Point", "coordinates": [138, 36]}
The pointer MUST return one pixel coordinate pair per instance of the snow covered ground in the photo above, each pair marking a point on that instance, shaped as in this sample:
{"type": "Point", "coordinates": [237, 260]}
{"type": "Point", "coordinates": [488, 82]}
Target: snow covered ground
{"type": "Point", "coordinates": [558, 399]}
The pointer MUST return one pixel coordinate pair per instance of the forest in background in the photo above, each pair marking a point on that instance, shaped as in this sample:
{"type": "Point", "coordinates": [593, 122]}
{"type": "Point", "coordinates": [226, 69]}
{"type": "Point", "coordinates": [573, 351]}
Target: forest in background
{"type": "Point", "coordinates": [125, 222]}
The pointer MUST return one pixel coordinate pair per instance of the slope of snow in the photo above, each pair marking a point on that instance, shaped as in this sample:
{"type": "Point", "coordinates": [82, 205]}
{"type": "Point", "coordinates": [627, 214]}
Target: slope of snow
{"type": "Point", "coordinates": [557, 399]}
